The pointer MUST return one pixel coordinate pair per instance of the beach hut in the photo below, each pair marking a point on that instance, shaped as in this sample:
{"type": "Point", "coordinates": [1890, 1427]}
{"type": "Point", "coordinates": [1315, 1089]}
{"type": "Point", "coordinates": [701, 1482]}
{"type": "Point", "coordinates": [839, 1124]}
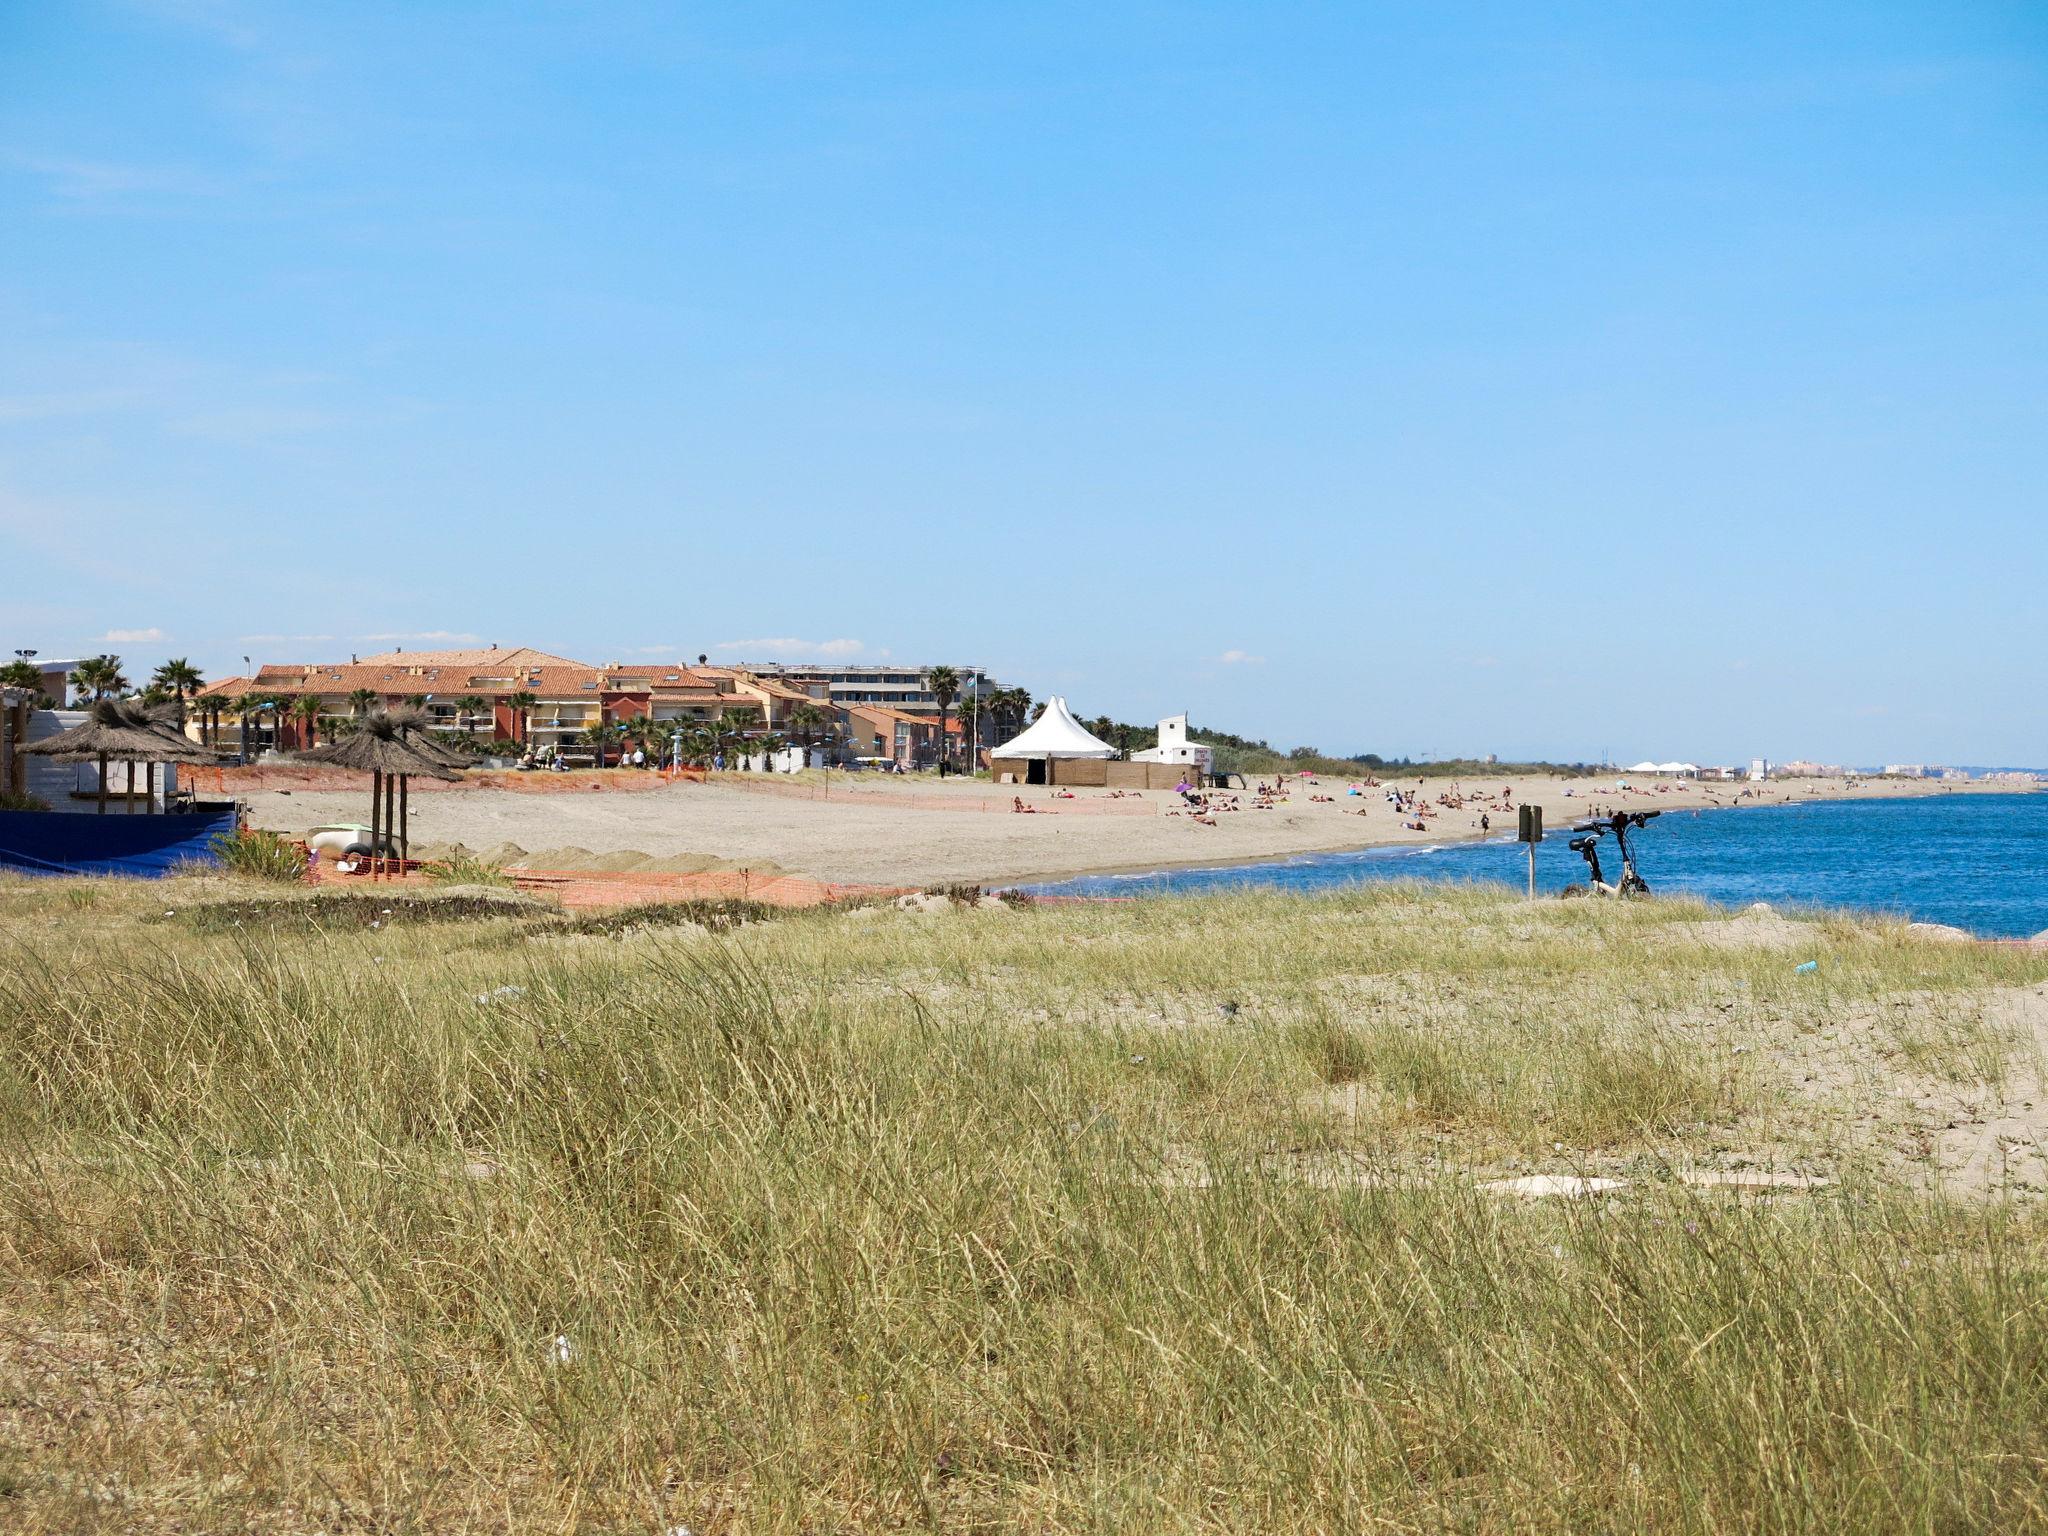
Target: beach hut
{"type": "Point", "coordinates": [383, 749]}
{"type": "Point", "coordinates": [1033, 755]}
{"type": "Point", "coordinates": [123, 731]}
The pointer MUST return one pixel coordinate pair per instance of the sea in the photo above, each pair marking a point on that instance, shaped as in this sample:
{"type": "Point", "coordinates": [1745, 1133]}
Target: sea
{"type": "Point", "coordinates": [1976, 862]}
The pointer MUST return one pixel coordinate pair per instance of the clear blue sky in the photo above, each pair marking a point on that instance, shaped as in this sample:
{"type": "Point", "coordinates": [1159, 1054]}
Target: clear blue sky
{"type": "Point", "coordinates": [1551, 380]}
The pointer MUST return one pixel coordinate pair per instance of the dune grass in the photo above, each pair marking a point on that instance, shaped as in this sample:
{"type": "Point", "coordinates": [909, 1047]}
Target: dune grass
{"type": "Point", "coordinates": [1161, 1216]}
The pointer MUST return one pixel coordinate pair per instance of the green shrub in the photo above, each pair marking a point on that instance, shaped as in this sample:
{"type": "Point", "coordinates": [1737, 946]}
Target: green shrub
{"type": "Point", "coordinates": [465, 868]}
{"type": "Point", "coordinates": [10, 801]}
{"type": "Point", "coordinates": [261, 856]}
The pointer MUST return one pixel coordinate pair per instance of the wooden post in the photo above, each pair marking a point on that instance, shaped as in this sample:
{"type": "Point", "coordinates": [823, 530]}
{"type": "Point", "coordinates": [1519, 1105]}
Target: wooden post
{"type": "Point", "coordinates": [376, 809]}
{"type": "Point", "coordinates": [404, 823]}
{"type": "Point", "coordinates": [390, 814]}
{"type": "Point", "coordinates": [103, 784]}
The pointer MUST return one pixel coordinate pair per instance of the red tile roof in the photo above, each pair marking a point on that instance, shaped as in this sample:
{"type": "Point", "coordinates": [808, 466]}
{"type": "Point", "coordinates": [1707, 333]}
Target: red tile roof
{"type": "Point", "coordinates": [488, 659]}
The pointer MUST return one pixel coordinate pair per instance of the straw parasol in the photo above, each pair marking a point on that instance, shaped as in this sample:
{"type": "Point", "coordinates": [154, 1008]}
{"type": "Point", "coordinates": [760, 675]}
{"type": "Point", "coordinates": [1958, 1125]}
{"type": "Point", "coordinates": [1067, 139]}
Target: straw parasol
{"type": "Point", "coordinates": [382, 749]}
{"type": "Point", "coordinates": [123, 731]}
{"type": "Point", "coordinates": [413, 727]}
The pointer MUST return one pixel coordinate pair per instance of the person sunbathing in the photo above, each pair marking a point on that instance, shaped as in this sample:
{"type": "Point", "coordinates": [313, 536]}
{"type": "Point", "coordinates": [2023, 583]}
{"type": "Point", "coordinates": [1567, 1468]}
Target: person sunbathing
{"type": "Point", "coordinates": [1017, 805]}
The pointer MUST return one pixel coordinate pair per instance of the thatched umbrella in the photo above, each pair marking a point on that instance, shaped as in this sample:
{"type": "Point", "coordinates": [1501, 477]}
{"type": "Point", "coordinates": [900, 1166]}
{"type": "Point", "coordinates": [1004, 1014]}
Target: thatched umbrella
{"type": "Point", "coordinates": [382, 749]}
{"type": "Point", "coordinates": [123, 731]}
{"type": "Point", "coordinates": [413, 728]}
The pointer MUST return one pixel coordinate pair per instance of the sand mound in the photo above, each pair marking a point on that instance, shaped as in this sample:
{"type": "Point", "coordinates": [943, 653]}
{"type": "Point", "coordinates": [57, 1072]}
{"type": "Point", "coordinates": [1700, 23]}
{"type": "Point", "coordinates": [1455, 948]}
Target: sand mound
{"type": "Point", "coordinates": [685, 864]}
{"type": "Point", "coordinates": [617, 862]}
{"type": "Point", "coordinates": [1941, 933]}
{"type": "Point", "coordinates": [570, 857]}
{"type": "Point", "coordinates": [1754, 927]}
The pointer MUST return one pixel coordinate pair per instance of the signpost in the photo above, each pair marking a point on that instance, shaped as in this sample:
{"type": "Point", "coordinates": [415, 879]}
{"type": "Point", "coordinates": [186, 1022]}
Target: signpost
{"type": "Point", "coordinates": [1530, 831]}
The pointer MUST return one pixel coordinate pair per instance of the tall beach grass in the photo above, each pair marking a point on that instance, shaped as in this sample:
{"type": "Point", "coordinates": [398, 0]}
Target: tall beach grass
{"type": "Point", "coordinates": [1157, 1216]}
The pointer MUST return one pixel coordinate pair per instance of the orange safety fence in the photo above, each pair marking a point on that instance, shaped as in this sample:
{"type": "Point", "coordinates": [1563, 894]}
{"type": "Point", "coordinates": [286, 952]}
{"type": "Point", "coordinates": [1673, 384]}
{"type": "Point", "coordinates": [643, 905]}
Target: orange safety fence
{"type": "Point", "coordinates": [995, 803]}
{"type": "Point", "coordinates": [314, 778]}
{"type": "Point", "coordinates": [582, 890]}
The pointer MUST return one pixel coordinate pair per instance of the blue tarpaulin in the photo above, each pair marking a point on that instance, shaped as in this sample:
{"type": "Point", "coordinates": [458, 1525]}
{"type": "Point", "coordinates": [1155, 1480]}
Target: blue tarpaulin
{"type": "Point", "coordinates": [55, 843]}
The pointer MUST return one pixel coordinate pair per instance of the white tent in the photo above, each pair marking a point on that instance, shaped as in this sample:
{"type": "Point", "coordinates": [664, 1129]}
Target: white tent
{"type": "Point", "coordinates": [1054, 734]}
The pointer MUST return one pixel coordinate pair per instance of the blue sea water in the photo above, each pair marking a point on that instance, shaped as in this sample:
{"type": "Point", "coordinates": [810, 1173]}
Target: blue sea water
{"type": "Point", "coordinates": [1978, 862]}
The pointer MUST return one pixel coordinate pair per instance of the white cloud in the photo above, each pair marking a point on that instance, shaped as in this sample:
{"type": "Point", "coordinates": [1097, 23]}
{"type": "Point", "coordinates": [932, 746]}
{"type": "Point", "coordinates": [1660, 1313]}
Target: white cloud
{"type": "Point", "coordinates": [131, 636]}
{"type": "Point", "coordinates": [96, 180]}
{"type": "Point", "coordinates": [788, 645]}
{"type": "Point", "coordinates": [449, 636]}
{"type": "Point", "coordinates": [253, 423]}
{"type": "Point", "coordinates": [60, 403]}
{"type": "Point", "coordinates": [1233, 658]}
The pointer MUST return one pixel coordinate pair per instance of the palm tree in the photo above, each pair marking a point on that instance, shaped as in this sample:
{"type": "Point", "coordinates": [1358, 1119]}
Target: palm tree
{"type": "Point", "coordinates": [805, 721]}
{"type": "Point", "coordinates": [361, 702]}
{"type": "Point", "coordinates": [519, 704]}
{"type": "Point", "coordinates": [730, 731]}
{"type": "Point", "coordinates": [306, 710]}
{"type": "Point", "coordinates": [469, 707]}
{"type": "Point", "coordinates": [180, 679]}
{"type": "Point", "coordinates": [944, 684]}
{"type": "Point", "coordinates": [644, 732]}
{"type": "Point", "coordinates": [99, 676]}
{"type": "Point", "coordinates": [257, 704]}
{"type": "Point", "coordinates": [1009, 706]}
{"type": "Point", "coordinates": [596, 734]}
{"type": "Point", "coordinates": [699, 745]}
{"type": "Point", "coordinates": [25, 675]}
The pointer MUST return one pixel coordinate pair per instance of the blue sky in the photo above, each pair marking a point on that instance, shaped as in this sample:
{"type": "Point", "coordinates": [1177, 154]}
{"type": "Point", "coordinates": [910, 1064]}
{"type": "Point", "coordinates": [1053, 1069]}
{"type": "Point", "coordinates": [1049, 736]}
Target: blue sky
{"type": "Point", "coordinates": [1551, 380]}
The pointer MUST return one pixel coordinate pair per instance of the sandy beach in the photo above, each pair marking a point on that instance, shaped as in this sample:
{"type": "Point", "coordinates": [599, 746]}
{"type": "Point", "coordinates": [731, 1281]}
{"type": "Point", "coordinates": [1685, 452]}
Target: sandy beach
{"type": "Point", "coordinates": [921, 831]}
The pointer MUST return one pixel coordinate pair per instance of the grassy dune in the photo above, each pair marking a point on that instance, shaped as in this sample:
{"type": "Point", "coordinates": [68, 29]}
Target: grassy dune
{"type": "Point", "coordinates": [1167, 1216]}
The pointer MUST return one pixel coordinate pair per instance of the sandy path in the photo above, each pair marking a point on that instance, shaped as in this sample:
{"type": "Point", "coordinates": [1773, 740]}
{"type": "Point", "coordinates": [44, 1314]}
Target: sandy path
{"type": "Point", "coordinates": [918, 831]}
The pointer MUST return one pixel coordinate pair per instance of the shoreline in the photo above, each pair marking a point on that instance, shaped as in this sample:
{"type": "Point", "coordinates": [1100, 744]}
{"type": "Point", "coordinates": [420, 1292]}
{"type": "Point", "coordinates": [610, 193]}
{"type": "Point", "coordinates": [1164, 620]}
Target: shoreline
{"type": "Point", "coordinates": [1256, 861]}
{"type": "Point", "coordinates": [920, 833]}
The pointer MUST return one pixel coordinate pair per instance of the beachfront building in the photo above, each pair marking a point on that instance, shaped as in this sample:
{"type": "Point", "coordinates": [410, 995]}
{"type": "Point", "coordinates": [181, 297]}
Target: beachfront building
{"type": "Point", "coordinates": [531, 699]}
{"type": "Point", "coordinates": [1801, 768]}
{"type": "Point", "coordinates": [900, 688]}
{"type": "Point", "coordinates": [882, 734]}
{"type": "Point", "coordinates": [781, 701]}
{"type": "Point", "coordinates": [1175, 747]}
{"type": "Point", "coordinates": [1665, 770]}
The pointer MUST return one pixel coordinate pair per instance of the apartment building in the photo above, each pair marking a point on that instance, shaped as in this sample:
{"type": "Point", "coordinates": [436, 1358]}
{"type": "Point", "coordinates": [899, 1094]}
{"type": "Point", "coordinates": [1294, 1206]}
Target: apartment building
{"type": "Point", "coordinates": [901, 688]}
{"type": "Point", "coordinates": [542, 701]}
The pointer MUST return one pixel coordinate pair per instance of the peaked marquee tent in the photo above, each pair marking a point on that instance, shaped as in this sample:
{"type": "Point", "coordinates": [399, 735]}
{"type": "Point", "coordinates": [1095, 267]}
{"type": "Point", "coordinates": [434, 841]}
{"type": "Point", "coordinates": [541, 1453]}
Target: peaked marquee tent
{"type": "Point", "coordinates": [1056, 733]}
{"type": "Point", "coordinates": [1055, 736]}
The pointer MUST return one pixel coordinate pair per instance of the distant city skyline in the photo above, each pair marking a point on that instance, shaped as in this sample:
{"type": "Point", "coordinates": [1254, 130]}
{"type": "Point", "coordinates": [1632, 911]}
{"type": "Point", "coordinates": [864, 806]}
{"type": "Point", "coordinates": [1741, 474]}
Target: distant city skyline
{"type": "Point", "coordinates": [1562, 383]}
